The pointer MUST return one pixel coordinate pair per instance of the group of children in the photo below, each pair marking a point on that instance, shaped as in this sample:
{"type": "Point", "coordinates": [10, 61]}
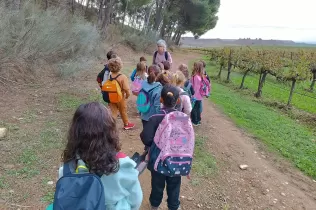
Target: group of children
{"type": "Point", "coordinates": [169, 104]}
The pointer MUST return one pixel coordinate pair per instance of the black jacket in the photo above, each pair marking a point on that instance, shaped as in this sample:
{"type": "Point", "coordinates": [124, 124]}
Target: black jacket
{"type": "Point", "coordinates": [150, 128]}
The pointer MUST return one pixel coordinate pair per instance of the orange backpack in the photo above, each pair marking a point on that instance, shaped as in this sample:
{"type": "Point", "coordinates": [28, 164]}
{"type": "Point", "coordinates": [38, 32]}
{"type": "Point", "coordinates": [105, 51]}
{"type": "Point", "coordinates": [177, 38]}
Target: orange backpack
{"type": "Point", "coordinates": [112, 90]}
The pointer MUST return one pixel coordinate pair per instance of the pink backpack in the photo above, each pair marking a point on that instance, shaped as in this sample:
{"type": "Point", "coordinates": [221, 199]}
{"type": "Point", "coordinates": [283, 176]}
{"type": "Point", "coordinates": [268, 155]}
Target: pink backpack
{"type": "Point", "coordinates": [175, 139]}
{"type": "Point", "coordinates": [136, 85]}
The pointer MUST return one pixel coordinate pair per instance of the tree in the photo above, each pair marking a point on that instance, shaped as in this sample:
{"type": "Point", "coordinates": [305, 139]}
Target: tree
{"type": "Point", "coordinates": [298, 71]}
{"type": "Point", "coordinates": [246, 62]}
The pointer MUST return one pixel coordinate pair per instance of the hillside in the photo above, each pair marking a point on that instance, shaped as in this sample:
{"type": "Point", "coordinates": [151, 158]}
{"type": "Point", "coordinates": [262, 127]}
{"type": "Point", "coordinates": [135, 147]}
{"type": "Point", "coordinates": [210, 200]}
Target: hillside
{"type": "Point", "coordinates": [192, 42]}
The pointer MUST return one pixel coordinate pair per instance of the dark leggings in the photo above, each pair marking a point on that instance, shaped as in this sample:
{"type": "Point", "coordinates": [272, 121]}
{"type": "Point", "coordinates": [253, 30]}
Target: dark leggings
{"type": "Point", "coordinates": [196, 112]}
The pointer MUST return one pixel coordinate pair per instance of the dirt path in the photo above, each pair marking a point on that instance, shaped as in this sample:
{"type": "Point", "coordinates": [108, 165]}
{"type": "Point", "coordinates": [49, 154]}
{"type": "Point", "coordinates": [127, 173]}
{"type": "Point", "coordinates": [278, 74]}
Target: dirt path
{"type": "Point", "coordinates": [268, 183]}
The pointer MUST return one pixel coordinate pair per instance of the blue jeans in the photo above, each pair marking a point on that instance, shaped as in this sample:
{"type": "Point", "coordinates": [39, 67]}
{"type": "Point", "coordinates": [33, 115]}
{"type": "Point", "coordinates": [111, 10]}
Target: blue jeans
{"type": "Point", "coordinates": [158, 182]}
{"type": "Point", "coordinates": [196, 112]}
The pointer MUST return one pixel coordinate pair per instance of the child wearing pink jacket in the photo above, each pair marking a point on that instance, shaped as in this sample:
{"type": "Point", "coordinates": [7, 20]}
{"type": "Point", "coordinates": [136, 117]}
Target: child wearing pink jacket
{"type": "Point", "coordinates": [196, 82]}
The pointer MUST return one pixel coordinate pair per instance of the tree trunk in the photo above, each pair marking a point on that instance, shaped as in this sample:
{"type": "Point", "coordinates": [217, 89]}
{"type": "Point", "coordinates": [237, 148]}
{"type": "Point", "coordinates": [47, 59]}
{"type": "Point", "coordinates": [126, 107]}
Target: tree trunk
{"type": "Point", "coordinates": [148, 16]}
{"type": "Point", "coordinates": [46, 4]}
{"type": "Point", "coordinates": [87, 7]}
{"type": "Point", "coordinates": [220, 71]}
{"type": "Point", "coordinates": [159, 9]}
{"type": "Point", "coordinates": [73, 7]}
{"type": "Point", "coordinates": [313, 81]}
{"type": "Point", "coordinates": [291, 93]}
{"type": "Point", "coordinates": [229, 66]}
{"type": "Point", "coordinates": [125, 11]}
{"type": "Point", "coordinates": [261, 83]}
{"type": "Point", "coordinates": [243, 80]}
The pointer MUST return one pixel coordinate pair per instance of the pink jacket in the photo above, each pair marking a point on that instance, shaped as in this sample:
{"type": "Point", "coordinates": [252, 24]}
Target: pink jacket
{"type": "Point", "coordinates": [196, 81]}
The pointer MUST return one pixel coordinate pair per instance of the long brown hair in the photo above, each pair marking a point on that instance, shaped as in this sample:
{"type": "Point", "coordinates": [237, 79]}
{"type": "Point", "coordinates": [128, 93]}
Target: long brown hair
{"type": "Point", "coordinates": [153, 72]}
{"type": "Point", "coordinates": [93, 136]}
{"type": "Point", "coordinates": [197, 69]}
{"type": "Point", "coordinates": [141, 69]}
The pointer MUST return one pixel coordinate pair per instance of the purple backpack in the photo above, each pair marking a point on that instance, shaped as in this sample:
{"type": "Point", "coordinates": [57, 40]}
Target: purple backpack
{"type": "Point", "coordinates": [175, 139]}
{"type": "Point", "coordinates": [136, 85]}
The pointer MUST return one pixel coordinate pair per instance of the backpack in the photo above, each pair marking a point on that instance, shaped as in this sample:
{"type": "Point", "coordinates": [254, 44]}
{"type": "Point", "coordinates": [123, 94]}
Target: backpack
{"type": "Point", "coordinates": [175, 139]}
{"type": "Point", "coordinates": [136, 85]}
{"type": "Point", "coordinates": [179, 106]}
{"type": "Point", "coordinates": [112, 90]}
{"type": "Point", "coordinates": [166, 55]}
{"type": "Point", "coordinates": [78, 189]}
{"type": "Point", "coordinates": [106, 74]}
{"type": "Point", "coordinates": [205, 87]}
{"type": "Point", "coordinates": [143, 100]}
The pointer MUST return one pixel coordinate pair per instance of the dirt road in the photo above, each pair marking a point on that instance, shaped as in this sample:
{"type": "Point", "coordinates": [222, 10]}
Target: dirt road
{"type": "Point", "coordinates": [268, 183]}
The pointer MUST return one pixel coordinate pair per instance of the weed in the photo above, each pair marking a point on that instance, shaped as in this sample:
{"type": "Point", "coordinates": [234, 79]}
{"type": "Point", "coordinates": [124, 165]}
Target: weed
{"type": "Point", "coordinates": [3, 184]}
{"type": "Point", "coordinates": [48, 197]}
{"type": "Point", "coordinates": [28, 157]}
{"type": "Point", "coordinates": [204, 163]}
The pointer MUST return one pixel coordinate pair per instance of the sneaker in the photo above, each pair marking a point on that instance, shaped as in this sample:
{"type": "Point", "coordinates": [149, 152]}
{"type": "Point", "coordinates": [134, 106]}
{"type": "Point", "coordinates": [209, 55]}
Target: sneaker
{"type": "Point", "coordinates": [129, 126]}
{"type": "Point", "coordinates": [195, 124]}
{"type": "Point", "coordinates": [199, 123]}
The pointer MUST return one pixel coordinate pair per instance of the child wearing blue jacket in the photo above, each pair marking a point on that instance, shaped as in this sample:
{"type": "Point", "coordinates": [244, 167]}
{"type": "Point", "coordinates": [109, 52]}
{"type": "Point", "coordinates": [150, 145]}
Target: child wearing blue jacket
{"type": "Point", "coordinates": [153, 89]}
{"type": "Point", "coordinates": [142, 59]}
{"type": "Point", "coordinates": [94, 138]}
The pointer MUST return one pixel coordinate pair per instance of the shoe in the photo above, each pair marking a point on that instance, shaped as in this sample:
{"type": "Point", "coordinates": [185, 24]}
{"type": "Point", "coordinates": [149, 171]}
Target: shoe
{"type": "Point", "coordinates": [195, 124]}
{"type": "Point", "coordinates": [129, 126]}
{"type": "Point", "coordinates": [199, 123]}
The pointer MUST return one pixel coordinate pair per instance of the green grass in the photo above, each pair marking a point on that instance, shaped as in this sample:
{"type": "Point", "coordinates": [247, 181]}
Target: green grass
{"type": "Point", "coordinates": [280, 133]}
{"type": "Point", "coordinates": [272, 90]}
{"type": "Point", "coordinates": [204, 163]}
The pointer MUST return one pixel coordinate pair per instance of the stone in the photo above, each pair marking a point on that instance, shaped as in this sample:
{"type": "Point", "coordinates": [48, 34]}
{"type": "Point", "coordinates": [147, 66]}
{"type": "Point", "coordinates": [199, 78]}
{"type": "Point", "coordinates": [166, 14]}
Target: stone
{"type": "Point", "coordinates": [283, 194]}
{"type": "Point", "coordinates": [3, 132]}
{"type": "Point", "coordinates": [50, 183]}
{"type": "Point", "coordinates": [243, 167]}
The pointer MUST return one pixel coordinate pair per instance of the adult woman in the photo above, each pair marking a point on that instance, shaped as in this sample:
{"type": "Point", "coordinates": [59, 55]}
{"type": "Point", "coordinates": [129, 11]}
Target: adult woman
{"type": "Point", "coordinates": [162, 54]}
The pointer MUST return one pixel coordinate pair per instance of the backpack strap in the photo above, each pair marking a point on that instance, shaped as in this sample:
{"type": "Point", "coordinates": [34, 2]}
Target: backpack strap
{"type": "Point", "coordinates": [69, 168]}
{"type": "Point", "coordinates": [155, 55]}
{"type": "Point", "coordinates": [166, 55]}
{"type": "Point", "coordinates": [114, 77]}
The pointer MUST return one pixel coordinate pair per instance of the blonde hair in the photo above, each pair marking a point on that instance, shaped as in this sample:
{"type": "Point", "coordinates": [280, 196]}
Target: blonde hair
{"type": "Point", "coordinates": [115, 64]}
{"type": "Point", "coordinates": [179, 78]}
{"type": "Point", "coordinates": [185, 70]}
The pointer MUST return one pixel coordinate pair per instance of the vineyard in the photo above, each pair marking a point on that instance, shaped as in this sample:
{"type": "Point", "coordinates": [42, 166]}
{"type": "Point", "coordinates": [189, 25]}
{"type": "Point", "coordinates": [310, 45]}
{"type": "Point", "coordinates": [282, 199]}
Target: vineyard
{"type": "Point", "coordinates": [283, 67]}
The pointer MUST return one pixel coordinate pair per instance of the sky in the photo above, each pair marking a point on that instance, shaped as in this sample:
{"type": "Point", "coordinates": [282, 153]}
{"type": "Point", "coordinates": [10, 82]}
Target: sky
{"type": "Point", "coordinates": [266, 19]}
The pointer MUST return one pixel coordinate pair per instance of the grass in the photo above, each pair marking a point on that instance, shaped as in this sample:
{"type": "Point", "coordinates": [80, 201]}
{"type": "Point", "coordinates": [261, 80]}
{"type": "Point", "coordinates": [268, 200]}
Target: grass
{"type": "Point", "coordinates": [280, 133]}
{"type": "Point", "coordinates": [204, 163]}
{"type": "Point", "coordinates": [272, 90]}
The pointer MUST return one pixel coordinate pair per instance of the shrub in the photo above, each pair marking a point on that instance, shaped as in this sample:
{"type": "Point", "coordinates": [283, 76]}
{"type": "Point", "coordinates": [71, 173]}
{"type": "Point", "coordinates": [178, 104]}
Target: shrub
{"type": "Point", "coordinates": [54, 36]}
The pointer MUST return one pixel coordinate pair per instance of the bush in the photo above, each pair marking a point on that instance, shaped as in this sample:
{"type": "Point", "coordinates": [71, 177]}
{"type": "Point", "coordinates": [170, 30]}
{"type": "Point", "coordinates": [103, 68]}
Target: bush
{"type": "Point", "coordinates": [54, 36]}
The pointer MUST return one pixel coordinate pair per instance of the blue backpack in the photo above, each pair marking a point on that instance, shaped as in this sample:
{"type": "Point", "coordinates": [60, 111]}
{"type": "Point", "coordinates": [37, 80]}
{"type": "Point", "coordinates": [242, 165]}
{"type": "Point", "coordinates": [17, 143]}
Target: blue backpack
{"type": "Point", "coordinates": [143, 101]}
{"type": "Point", "coordinates": [78, 189]}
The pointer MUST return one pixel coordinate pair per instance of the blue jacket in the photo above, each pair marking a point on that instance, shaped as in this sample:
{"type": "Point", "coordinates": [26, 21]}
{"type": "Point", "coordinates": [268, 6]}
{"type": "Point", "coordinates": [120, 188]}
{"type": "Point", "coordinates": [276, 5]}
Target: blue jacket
{"type": "Point", "coordinates": [154, 91]}
{"type": "Point", "coordinates": [133, 75]}
{"type": "Point", "coordinates": [122, 189]}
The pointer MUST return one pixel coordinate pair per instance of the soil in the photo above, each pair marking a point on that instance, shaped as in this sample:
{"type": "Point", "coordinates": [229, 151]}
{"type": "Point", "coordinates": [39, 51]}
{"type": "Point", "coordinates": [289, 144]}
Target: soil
{"type": "Point", "coordinates": [269, 182]}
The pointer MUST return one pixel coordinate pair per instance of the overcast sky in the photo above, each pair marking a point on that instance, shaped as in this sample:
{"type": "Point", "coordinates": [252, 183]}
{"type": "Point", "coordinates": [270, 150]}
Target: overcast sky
{"type": "Point", "coordinates": [266, 19]}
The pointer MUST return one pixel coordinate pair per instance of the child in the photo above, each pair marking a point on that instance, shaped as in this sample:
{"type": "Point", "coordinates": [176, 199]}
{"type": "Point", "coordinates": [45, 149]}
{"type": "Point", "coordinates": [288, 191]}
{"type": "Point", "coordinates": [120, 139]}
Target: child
{"type": "Point", "coordinates": [140, 76]}
{"type": "Point", "coordinates": [166, 77]}
{"type": "Point", "coordinates": [187, 85]}
{"type": "Point", "coordinates": [196, 81]}
{"type": "Point", "coordinates": [152, 90]}
{"type": "Point", "coordinates": [104, 74]}
{"type": "Point", "coordinates": [93, 145]}
{"type": "Point", "coordinates": [142, 59]}
{"type": "Point", "coordinates": [166, 65]}
{"type": "Point", "coordinates": [175, 131]}
{"type": "Point", "coordinates": [205, 76]}
{"type": "Point", "coordinates": [115, 66]}
{"type": "Point", "coordinates": [185, 105]}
